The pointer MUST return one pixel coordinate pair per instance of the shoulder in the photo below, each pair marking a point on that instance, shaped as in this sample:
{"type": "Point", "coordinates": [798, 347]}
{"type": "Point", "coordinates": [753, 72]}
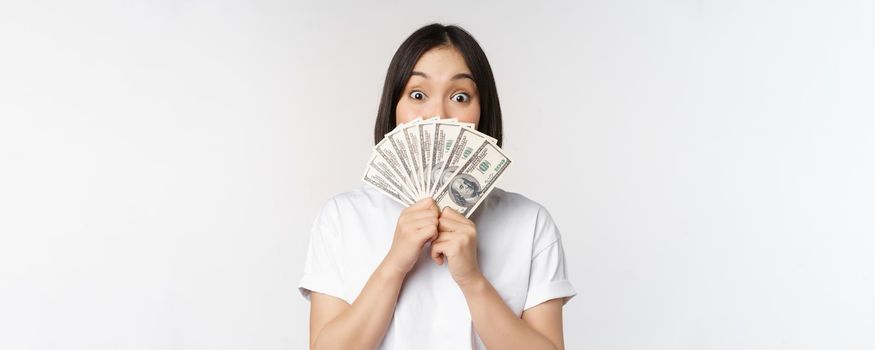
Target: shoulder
{"type": "Point", "coordinates": [363, 206]}
{"type": "Point", "coordinates": [507, 203]}
{"type": "Point", "coordinates": [515, 212]}
{"type": "Point", "coordinates": [362, 197]}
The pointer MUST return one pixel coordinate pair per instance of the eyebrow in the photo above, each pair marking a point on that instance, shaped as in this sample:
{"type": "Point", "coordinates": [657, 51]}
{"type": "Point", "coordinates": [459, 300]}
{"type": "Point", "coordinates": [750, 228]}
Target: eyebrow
{"type": "Point", "coordinates": [455, 77]}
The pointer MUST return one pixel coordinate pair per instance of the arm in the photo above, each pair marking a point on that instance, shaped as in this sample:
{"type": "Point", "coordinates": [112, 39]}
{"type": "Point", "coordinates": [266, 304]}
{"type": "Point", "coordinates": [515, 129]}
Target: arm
{"type": "Point", "coordinates": [335, 324]}
{"type": "Point", "coordinates": [498, 326]}
{"type": "Point", "coordinates": [539, 328]}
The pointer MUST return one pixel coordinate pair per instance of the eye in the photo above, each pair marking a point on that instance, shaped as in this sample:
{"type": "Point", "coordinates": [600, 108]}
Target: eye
{"type": "Point", "coordinates": [461, 97]}
{"type": "Point", "coordinates": [417, 95]}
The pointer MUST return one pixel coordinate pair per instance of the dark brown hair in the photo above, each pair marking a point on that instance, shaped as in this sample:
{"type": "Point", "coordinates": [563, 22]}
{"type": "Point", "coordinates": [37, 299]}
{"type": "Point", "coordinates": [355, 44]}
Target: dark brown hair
{"type": "Point", "coordinates": [422, 40]}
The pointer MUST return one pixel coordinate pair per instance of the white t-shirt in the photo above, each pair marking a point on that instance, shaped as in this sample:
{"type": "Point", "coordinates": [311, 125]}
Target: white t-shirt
{"type": "Point", "coordinates": [519, 251]}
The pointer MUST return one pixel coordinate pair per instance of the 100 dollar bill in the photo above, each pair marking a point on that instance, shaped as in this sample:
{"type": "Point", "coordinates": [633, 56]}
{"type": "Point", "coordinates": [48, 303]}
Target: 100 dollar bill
{"type": "Point", "coordinates": [474, 180]}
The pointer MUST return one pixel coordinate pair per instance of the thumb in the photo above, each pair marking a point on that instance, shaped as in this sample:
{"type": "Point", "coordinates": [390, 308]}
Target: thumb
{"type": "Point", "coordinates": [436, 254]}
{"type": "Point", "coordinates": [438, 260]}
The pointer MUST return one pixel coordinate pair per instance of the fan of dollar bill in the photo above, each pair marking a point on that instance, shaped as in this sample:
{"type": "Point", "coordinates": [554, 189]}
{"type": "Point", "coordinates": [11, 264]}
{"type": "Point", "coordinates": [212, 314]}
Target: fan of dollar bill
{"type": "Point", "coordinates": [444, 159]}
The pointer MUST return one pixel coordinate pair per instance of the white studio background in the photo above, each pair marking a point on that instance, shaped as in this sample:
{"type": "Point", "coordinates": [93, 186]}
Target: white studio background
{"type": "Point", "coordinates": [711, 164]}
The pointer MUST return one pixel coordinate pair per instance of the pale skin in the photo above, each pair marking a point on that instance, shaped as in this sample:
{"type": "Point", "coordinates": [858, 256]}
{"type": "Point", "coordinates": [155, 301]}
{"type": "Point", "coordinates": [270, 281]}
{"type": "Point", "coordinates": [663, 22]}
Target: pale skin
{"type": "Point", "coordinates": [441, 85]}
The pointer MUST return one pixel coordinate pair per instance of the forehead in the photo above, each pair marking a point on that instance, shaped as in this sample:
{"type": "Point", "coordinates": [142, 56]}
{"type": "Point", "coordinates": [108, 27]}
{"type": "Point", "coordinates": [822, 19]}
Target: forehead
{"type": "Point", "coordinates": [442, 62]}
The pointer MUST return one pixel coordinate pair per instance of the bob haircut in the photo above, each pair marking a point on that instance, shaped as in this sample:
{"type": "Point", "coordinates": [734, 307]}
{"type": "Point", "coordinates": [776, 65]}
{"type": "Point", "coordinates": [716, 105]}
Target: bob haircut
{"type": "Point", "coordinates": [422, 40]}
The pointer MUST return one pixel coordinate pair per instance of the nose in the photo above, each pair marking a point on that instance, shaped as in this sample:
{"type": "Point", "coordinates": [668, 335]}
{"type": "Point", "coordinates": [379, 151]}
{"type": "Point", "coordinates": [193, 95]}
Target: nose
{"type": "Point", "coordinates": [438, 109]}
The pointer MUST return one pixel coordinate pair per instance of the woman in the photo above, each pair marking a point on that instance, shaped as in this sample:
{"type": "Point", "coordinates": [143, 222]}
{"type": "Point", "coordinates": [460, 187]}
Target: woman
{"type": "Point", "coordinates": [441, 281]}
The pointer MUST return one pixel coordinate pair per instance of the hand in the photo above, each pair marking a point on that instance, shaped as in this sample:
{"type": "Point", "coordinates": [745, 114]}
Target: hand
{"type": "Point", "coordinates": [416, 225]}
{"type": "Point", "coordinates": [457, 242]}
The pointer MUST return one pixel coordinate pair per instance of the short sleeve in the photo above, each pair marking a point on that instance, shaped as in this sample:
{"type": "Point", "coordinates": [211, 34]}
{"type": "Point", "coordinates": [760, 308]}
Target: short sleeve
{"type": "Point", "coordinates": [548, 278]}
{"type": "Point", "coordinates": [322, 271]}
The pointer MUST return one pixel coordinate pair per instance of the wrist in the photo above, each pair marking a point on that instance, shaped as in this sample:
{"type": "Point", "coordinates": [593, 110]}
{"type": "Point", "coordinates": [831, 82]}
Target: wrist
{"type": "Point", "coordinates": [387, 271]}
{"type": "Point", "coordinates": [475, 284]}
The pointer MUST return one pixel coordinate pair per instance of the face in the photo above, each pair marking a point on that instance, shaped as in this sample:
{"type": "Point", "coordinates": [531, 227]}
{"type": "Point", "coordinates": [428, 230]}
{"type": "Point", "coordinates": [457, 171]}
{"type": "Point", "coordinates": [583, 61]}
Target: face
{"type": "Point", "coordinates": [440, 85]}
{"type": "Point", "coordinates": [462, 187]}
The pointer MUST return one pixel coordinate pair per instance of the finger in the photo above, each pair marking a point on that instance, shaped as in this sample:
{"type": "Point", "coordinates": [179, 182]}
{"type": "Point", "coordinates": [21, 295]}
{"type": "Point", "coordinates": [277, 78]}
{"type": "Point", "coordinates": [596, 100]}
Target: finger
{"type": "Point", "coordinates": [422, 203]}
{"type": "Point", "coordinates": [445, 224]}
{"type": "Point", "coordinates": [446, 236]}
{"type": "Point", "coordinates": [436, 237]}
{"type": "Point", "coordinates": [427, 234]}
{"type": "Point", "coordinates": [428, 221]}
{"type": "Point", "coordinates": [452, 214]}
{"type": "Point", "coordinates": [437, 252]}
{"type": "Point", "coordinates": [432, 206]}
{"type": "Point", "coordinates": [415, 225]}
{"type": "Point", "coordinates": [418, 215]}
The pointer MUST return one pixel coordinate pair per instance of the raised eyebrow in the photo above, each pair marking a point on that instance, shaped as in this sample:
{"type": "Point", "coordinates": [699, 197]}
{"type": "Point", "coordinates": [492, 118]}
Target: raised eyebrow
{"type": "Point", "coordinates": [455, 77]}
{"type": "Point", "coordinates": [462, 76]}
